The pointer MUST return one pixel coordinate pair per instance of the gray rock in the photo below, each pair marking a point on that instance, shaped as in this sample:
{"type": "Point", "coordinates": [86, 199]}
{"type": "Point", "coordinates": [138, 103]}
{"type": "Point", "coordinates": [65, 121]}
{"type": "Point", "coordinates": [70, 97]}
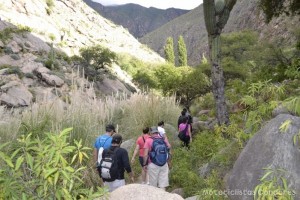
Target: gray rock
{"type": "Point", "coordinates": [268, 148]}
{"type": "Point", "coordinates": [178, 191]}
{"type": "Point", "coordinates": [192, 198]}
{"type": "Point", "coordinates": [280, 110]}
{"type": "Point", "coordinates": [52, 80]}
{"type": "Point", "coordinates": [13, 45]}
{"type": "Point", "coordinates": [128, 145]}
{"type": "Point", "coordinates": [16, 96]}
{"type": "Point", "coordinates": [142, 192]}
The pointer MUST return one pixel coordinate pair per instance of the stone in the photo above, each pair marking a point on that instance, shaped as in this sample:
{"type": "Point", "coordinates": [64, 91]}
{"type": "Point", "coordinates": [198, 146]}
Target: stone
{"type": "Point", "coordinates": [16, 96]}
{"type": "Point", "coordinates": [142, 192]}
{"type": "Point", "coordinates": [128, 144]}
{"type": "Point", "coordinates": [13, 45]}
{"type": "Point", "coordinates": [268, 148]}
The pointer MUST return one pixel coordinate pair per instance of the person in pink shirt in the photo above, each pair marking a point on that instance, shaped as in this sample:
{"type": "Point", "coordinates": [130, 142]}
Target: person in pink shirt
{"type": "Point", "coordinates": [156, 155]}
{"type": "Point", "coordinates": [140, 142]}
{"type": "Point", "coordinates": [188, 135]}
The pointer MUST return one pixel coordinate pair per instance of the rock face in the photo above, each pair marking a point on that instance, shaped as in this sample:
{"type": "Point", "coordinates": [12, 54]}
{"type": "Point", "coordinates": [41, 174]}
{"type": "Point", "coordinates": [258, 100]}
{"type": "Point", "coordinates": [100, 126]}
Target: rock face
{"type": "Point", "coordinates": [268, 148]}
{"type": "Point", "coordinates": [15, 95]}
{"type": "Point", "coordinates": [142, 192]}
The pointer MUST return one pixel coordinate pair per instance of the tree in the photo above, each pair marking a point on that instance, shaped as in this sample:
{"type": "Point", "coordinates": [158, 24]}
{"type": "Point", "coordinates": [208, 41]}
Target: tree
{"type": "Point", "coordinates": [274, 8]}
{"type": "Point", "coordinates": [182, 53]}
{"type": "Point", "coordinates": [186, 83]}
{"type": "Point", "coordinates": [216, 14]}
{"type": "Point", "coordinates": [169, 51]}
{"type": "Point", "coordinates": [97, 56]}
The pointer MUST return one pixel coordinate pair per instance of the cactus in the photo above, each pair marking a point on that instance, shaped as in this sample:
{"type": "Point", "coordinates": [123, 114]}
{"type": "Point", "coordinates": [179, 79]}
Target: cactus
{"type": "Point", "coordinates": [216, 14]}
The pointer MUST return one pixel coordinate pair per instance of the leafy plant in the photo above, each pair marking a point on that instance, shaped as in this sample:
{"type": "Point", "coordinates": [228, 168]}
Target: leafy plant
{"type": "Point", "coordinates": [273, 186]}
{"type": "Point", "coordinates": [48, 168]}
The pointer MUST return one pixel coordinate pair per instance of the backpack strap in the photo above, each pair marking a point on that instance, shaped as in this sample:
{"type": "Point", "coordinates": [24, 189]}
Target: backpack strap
{"type": "Point", "coordinates": [104, 142]}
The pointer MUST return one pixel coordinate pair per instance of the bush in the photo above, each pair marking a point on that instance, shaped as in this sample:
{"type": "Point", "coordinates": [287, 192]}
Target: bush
{"type": "Point", "coordinates": [46, 168]}
{"type": "Point", "coordinates": [97, 57]}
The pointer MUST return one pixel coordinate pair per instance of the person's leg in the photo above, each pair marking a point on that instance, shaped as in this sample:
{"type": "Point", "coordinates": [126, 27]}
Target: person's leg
{"type": "Point", "coordinates": [163, 177]}
{"type": "Point", "coordinates": [153, 171]}
{"type": "Point", "coordinates": [117, 183]}
{"type": "Point", "coordinates": [144, 174]}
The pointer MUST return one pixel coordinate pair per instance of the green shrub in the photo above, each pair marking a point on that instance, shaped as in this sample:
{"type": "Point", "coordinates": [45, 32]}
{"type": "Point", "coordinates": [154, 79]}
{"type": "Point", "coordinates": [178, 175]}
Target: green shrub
{"type": "Point", "coordinates": [47, 168]}
{"type": "Point", "coordinates": [15, 70]}
{"type": "Point", "coordinates": [97, 57]}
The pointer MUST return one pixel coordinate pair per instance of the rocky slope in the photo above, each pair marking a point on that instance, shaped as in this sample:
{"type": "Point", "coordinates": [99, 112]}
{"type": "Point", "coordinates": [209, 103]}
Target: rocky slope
{"type": "Point", "coordinates": [137, 19]}
{"type": "Point", "coordinates": [31, 32]}
{"type": "Point", "coordinates": [71, 24]}
{"type": "Point", "coordinates": [245, 15]}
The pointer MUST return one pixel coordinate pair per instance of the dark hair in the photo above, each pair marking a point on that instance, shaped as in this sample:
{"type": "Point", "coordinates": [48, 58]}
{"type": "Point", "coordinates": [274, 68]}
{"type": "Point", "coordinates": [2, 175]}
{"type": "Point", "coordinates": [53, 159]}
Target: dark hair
{"type": "Point", "coordinates": [161, 123]}
{"type": "Point", "coordinates": [146, 130]}
{"type": "Point", "coordinates": [110, 128]}
{"type": "Point", "coordinates": [184, 119]}
{"type": "Point", "coordinates": [116, 139]}
{"type": "Point", "coordinates": [183, 112]}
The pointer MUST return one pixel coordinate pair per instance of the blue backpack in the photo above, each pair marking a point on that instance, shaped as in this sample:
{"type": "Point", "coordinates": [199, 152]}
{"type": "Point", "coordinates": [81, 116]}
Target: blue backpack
{"type": "Point", "coordinates": [159, 153]}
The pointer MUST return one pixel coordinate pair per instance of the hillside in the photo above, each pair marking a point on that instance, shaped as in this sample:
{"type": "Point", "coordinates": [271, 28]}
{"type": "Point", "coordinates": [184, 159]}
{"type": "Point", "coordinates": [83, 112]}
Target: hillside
{"type": "Point", "coordinates": [71, 25]}
{"type": "Point", "coordinates": [245, 15]}
{"type": "Point", "coordinates": [137, 19]}
{"type": "Point", "coordinates": [37, 40]}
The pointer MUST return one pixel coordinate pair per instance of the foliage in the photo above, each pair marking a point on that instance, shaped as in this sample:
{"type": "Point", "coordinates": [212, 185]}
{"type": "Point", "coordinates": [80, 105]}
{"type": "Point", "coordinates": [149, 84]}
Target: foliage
{"type": "Point", "coordinates": [97, 57]}
{"type": "Point", "coordinates": [145, 79]}
{"type": "Point", "coordinates": [6, 33]}
{"type": "Point", "coordinates": [169, 51]}
{"type": "Point", "coordinates": [182, 52]}
{"type": "Point", "coordinates": [274, 8]}
{"type": "Point", "coordinates": [273, 186]}
{"type": "Point", "coordinates": [186, 82]}
{"type": "Point", "coordinates": [293, 104]}
{"type": "Point", "coordinates": [48, 168]}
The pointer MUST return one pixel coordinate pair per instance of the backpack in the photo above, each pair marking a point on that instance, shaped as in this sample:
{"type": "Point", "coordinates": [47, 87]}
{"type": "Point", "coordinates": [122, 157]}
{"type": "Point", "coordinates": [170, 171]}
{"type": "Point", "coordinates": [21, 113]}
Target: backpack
{"type": "Point", "coordinates": [159, 152]}
{"type": "Point", "coordinates": [182, 134]}
{"type": "Point", "coordinates": [108, 168]}
{"type": "Point", "coordinates": [100, 151]}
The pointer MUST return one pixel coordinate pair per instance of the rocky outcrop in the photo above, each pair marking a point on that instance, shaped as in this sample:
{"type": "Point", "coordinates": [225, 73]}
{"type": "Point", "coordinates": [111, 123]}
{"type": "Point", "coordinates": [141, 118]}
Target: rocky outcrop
{"type": "Point", "coordinates": [15, 95]}
{"type": "Point", "coordinates": [268, 148]}
{"type": "Point", "coordinates": [142, 192]}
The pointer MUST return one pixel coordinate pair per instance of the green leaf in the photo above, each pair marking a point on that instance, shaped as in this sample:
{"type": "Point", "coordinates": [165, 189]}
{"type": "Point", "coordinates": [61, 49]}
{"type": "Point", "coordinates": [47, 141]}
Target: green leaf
{"type": "Point", "coordinates": [266, 175]}
{"type": "Point", "coordinates": [29, 160]}
{"type": "Point", "coordinates": [50, 172]}
{"type": "Point", "coordinates": [65, 132]}
{"type": "Point", "coordinates": [66, 175]}
{"type": "Point", "coordinates": [56, 175]}
{"type": "Point", "coordinates": [14, 153]}
{"type": "Point", "coordinates": [19, 162]}
{"type": "Point", "coordinates": [6, 159]}
{"type": "Point", "coordinates": [69, 169]}
{"type": "Point", "coordinates": [284, 183]}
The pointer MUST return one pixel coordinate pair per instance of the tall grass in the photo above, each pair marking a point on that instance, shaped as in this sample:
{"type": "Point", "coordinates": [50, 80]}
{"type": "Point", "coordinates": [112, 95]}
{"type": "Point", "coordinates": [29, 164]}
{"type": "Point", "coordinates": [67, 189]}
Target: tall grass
{"type": "Point", "coordinates": [88, 115]}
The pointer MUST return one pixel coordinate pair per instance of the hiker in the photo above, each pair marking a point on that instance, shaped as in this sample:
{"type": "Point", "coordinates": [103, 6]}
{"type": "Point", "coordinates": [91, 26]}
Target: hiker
{"type": "Point", "coordinates": [103, 141]}
{"type": "Point", "coordinates": [140, 142]}
{"type": "Point", "coordinates": [185, 113]}
{"type": "Point", "coordinates": [161, 129]}
{"type": "Point", "coordinates": [114, 162]}
{"type": "Point", "coordinates": [186, 128]}
{"type": "Point", "coordinates": [156, 155]}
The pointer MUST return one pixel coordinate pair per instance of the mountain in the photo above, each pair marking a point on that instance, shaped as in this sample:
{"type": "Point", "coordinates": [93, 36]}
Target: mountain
{"type": "Point", "coordinates": [137, 19]}
{"type": "Point", "coordinates": [37, 40]}
{"type": "Point", "coordinates": [245, 15]}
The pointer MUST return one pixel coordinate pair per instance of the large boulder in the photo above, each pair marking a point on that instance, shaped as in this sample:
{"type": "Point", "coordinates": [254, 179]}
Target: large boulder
{"type": "Point", "coordinates": [142, 192]}
{"type": "Point", "coordinates": [268, 148]}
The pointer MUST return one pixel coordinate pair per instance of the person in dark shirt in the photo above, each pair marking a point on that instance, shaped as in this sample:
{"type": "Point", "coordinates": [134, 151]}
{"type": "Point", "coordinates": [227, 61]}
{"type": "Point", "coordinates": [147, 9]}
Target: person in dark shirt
{"type": "Point", "coordinates": [123, 163]}
{"type": "Point", "coordinates": [185, 113]}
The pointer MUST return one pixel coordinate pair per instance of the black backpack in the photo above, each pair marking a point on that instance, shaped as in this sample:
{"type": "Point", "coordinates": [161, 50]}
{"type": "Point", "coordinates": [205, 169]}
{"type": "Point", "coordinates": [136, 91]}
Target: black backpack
{"type": "Point", "coordinates": [159, 153]}
{"type": "Point", "coordinates": [108, 168]}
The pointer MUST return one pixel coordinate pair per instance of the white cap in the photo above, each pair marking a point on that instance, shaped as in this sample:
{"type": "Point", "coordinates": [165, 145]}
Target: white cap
{"type": "Point", "coordinates": [161, 131]}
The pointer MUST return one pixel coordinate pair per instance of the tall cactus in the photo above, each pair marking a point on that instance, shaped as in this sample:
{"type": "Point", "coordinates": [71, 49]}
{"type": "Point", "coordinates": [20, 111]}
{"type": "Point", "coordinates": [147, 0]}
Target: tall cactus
{"type": "Point", "coordinates": [216, 14]}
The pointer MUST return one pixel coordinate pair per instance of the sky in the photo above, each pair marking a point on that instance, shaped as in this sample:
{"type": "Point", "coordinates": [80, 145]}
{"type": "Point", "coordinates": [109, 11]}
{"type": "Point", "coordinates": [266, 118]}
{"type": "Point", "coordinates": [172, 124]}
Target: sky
{"type": "Point", "coordinates": [162, 4]}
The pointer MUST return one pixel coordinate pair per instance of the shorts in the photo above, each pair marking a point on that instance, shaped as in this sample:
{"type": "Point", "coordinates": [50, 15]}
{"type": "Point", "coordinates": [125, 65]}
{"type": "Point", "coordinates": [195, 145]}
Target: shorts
{"type": "Point", "coordinates": [114, 184]}
{"type": "Point", "coordinates": [158, 175]}
{"type": "Point", "coordinates": [141, 159]}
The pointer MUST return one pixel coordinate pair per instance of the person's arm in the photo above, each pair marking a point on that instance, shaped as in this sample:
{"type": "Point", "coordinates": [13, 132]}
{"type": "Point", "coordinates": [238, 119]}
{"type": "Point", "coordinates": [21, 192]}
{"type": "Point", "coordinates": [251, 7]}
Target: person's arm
{"type": "Point", "coordinates": [127, 165]}
{"type": "Point", "coordinates": [95, 153]}
{"type": "Point", "coordinates": [134, 153]}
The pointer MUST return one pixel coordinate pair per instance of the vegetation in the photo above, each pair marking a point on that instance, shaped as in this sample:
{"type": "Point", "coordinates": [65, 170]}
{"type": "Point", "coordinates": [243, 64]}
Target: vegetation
{"type": "Point", "coordinates": [182, 53]}
{"type": "Point", "coordinates": [169, 51]}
